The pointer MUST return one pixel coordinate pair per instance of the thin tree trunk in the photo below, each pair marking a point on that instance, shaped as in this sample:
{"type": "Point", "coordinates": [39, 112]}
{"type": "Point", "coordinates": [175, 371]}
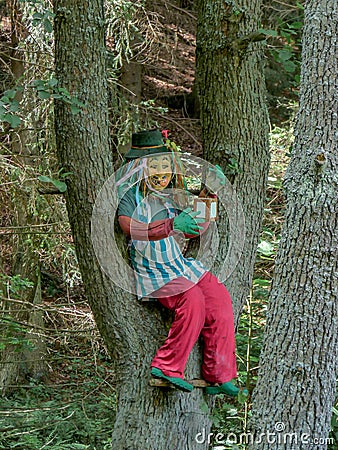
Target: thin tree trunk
{"type": "Point", "coordinates": [147, 418]}
{"type": "Point", "coordinates": [16, 365]}
{"type": "Point", "coordinates": [234, 119]}
{"type": "Point", "coordinates": [297, 379]}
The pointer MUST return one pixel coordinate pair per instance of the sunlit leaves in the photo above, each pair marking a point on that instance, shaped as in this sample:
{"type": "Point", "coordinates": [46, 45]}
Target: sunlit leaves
{"type": "Point", "coordinates": [41, 16]}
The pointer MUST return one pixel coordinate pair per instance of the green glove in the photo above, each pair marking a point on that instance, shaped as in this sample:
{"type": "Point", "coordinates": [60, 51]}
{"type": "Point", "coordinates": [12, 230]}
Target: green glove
{"type": "Point", "coordinates": [187, 222]}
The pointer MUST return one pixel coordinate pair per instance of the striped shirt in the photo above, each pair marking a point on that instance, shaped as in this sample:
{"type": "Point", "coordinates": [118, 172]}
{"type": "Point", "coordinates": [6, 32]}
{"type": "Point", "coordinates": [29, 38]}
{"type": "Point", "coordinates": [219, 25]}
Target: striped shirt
{"type": "Point", "coordinates": [156, 262]}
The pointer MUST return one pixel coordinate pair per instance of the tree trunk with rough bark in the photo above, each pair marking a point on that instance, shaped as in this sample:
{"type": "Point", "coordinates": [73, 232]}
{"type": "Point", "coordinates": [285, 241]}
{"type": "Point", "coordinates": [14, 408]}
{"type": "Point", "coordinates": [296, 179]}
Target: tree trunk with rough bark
{"type": "Point", "coordinates": [147, 418]}
{"type": "Point", "coordinates": [297, 379]}
{"type": "Point", "coordinates": [234, 118]}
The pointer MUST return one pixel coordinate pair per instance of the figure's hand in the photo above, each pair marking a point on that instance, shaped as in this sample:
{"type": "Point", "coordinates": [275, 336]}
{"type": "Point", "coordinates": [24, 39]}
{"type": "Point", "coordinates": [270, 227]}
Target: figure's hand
{"type": "Point", "coordinates": [215, 178]}
{"type": "Point", "coordinates": [187, 222]}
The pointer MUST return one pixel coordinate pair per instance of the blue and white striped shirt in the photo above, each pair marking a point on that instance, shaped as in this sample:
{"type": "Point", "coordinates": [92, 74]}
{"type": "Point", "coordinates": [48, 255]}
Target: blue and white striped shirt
{"type": "Point", "coordinates": [157, 262]}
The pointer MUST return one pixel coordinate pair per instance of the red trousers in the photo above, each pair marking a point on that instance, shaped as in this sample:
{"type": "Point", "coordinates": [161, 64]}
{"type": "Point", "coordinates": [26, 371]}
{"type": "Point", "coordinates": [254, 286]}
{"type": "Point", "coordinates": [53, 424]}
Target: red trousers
{"type": "Point", "coordinates": [204, 309]}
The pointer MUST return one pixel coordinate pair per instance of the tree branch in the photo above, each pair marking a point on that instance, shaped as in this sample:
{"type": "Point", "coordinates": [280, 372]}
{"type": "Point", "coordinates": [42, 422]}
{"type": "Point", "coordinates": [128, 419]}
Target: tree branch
{"type": "Point", "coordinates": [243, 42]}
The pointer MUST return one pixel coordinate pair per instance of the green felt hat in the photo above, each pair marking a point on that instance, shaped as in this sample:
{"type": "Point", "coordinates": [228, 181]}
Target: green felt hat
{"type": "Point", "coordinates": [146, 143]}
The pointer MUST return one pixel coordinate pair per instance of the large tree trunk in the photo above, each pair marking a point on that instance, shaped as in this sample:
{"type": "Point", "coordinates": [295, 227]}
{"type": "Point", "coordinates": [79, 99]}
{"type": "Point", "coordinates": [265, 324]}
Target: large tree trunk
{"type": "Point", "coordinates": [234, 119]}
{"type": "Point", "coordinates": [297, 379]}
{"type": "Point", "coordinates": [147, 418]}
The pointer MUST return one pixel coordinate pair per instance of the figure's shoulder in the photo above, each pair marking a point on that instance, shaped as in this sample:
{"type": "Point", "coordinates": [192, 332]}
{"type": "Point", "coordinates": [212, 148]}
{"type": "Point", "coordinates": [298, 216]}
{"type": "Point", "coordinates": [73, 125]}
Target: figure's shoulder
{"type": "Point", "coordinates": [127, 202]}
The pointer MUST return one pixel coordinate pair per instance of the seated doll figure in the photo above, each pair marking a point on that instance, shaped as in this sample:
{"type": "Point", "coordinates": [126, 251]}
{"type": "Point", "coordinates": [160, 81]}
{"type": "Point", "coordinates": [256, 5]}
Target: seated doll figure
{"type": "Point", "coordinates": [150, 215]}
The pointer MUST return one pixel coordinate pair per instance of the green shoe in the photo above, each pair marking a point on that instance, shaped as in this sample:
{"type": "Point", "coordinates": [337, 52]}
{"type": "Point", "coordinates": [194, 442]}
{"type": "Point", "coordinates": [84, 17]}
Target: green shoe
{"type": "Point", "coordinates": [177, 382]}
{"type": "Point", "coordinates": [226, 388]}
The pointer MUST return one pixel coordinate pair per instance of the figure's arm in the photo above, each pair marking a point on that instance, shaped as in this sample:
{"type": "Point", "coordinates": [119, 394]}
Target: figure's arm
{"type": "Point", "coordinates": [154, 231]}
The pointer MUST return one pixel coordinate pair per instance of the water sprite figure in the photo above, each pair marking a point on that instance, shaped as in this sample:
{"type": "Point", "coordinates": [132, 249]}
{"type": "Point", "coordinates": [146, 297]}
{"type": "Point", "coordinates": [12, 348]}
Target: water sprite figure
{"type": "Point", "coordinates": [152, 212]}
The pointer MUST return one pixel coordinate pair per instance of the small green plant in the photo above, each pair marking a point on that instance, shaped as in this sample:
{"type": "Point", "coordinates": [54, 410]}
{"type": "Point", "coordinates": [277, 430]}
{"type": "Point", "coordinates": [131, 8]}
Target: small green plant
{"type": "Point", "coordinates": [60, 185]}
{"type": "Point", "coordinates": [232, 167]}
{"type": "Point", "coordinates": [266, 249]}
{"type": "Point", "coordinates": [9, 107]}
{"type": "Point", "coordinates": [14, 284]}
{"type": "Point", "coordinates": [14, 334]}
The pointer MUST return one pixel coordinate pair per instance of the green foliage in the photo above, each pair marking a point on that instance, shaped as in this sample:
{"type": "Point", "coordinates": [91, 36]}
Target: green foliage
{"type": "Point", "coordinates": [75, 409]}
{"type": "Point", "coordinates": [9, 106]}
{"type": "Point", "coordinates": [266, 249]}
{"type": "Point", "coordinates": [40, 15]}
{"type": "Point", "coordinates": [15, 284]}
{"type": "Point", "coordinates": [45, 89]}
{"type": "Point", "coordinates": [57, 419]}
{"type": "Point", "coordinates": [232, 167]}
{"type": "Point", "coordinates": [44, 19]}
{"type": "Point", "coordinates": [49, 89]}
{"type": "Point", "coordinates": [289, 55]}
{"type": "Point", "coordinates": [128, 21]}
{"type": "Point", "coordinates": [285, 43]}
{"type": "Point", "coordinates": [225, 416]}
{"type": "Point", "coordinates": [60, 185]}
{"type": "Point", "coordinates": [12, 332]}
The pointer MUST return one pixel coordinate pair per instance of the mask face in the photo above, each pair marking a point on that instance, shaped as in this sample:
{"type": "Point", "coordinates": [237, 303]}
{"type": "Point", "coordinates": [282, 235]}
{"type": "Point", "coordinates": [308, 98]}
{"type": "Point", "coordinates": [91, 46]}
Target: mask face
{"type": "Point", "coordinates": [159, 171]}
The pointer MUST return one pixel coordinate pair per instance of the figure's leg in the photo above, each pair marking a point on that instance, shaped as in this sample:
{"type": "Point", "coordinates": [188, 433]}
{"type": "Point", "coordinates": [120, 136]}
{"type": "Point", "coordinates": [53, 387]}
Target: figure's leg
{"type": "Point", "coordinates": [188, 322]}
{"type": "Point", "coordinates": [219, 359]}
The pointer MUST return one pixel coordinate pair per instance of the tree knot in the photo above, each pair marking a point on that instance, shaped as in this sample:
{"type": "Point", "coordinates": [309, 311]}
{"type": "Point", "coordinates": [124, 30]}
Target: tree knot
{"type": "Point", "coordinates": [320, 159]}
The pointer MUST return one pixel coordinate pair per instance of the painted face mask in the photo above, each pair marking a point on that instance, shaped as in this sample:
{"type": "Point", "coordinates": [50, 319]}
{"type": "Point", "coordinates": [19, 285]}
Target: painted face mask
{"type": "Point", "coordinates": [159, 171]}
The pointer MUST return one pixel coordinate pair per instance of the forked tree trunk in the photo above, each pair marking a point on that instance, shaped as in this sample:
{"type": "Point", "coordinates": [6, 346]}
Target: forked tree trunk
{"type": "Point", "coordinates": [297, 379]}
{"type": "Point", "coordinates": [234, 118]}
{"type": "Point", "coordinates": [147, 418]}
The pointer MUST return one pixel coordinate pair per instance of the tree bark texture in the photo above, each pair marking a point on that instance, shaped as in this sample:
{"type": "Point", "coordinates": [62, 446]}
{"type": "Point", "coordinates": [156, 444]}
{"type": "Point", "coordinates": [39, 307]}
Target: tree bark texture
{"type": "Point", "coordinates": [297, 377]}
{"type": "Point", "coordinates": [147, 418]}
{"type": "Point", "coordinates": [234, 118]}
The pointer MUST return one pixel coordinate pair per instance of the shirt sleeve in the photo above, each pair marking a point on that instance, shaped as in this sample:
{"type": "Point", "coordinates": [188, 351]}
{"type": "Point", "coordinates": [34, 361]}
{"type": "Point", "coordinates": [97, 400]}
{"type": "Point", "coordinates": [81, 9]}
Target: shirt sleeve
{"type": "Point", "coordinates": [154, 231]}
{"type": "Point", "coordinates": [127, 204]}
